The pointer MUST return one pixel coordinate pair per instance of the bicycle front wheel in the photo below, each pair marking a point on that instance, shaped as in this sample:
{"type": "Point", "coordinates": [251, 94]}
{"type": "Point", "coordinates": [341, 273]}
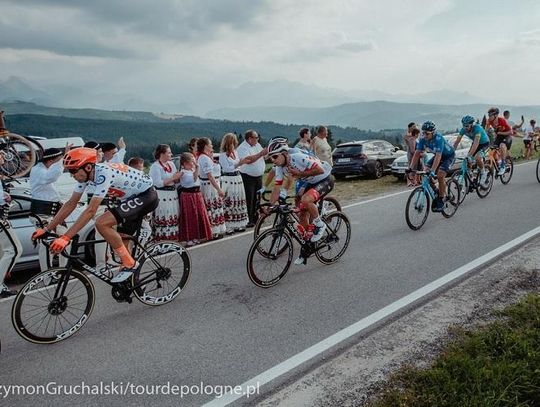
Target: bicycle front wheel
{"type": "Point", "coordinates": [417, 208]}
{"type": "Point", "coordinates": [264, 222]}
{"type": "Point", "coordinates": [41, 315]}
{"type": "Point", "coordinates": [19, 155]}
{"type": "Point", "coordinates": [509, 170]}
{"type": "Point", "coordinates": [336, 239]}
{"type": "Point", "coordinates": [463, 183]}
{"type": "Point", "coordinates": [330, 205]}
{"type": "Point", "coordinates": [269, 258]}
{"type": "Point", "coordinates": [164, 270]}
{"type": "Point", "coordinates": [452, 199]}
{"type": "Point", "coordinates": [484, 188]}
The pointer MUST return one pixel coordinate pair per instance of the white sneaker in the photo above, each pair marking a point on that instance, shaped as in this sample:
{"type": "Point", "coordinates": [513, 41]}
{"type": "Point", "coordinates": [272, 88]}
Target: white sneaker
{"type": "Point", "coordinates": [299, 261]}
{"type": "Point", "coordinates": [483, 176]}
{"type": "Point", "coordinates": [318, 232]}
{"type": "Point", "coordinates": [502, 170]}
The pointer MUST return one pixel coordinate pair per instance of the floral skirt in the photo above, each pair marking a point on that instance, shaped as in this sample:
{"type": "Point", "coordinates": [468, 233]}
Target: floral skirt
{"type": "Point", "coordinates": [214, 207]}
{"type": "Point", "coordinates": [234, 202]}
{"type": "Point", "coordinates": [165, 218]}
{"type": "Point", "coordinates": [194, 221]}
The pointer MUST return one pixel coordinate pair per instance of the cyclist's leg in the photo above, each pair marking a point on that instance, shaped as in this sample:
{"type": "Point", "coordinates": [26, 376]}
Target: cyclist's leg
{"type": "Point", "coordinates": [10, 251]}
{"type": "Point", "coordinates": [105, 225]}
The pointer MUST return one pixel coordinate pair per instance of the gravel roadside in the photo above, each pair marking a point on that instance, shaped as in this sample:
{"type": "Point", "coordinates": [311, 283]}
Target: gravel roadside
{"type": "Point", "coordinates": [354, 375]}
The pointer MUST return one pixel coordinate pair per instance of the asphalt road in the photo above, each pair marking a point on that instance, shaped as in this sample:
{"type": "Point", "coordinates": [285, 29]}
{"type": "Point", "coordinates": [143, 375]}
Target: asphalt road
{"type": "Point", "coordinates": [223, 330]}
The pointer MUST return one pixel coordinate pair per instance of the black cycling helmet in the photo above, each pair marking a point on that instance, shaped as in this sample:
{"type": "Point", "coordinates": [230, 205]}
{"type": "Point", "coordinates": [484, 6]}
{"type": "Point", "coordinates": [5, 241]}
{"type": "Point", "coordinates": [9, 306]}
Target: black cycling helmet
{"type": "Point", "coordinates": [493, 111]}
{"type": "Point", "coordinates": [429, 126]}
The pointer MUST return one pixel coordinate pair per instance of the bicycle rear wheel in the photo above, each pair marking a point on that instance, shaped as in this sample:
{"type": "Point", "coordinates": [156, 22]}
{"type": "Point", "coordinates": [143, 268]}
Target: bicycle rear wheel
{"type": "Point", "coordinates": [19, 155]}
{"type": "Point", "coordinates": [40, 317]}
{"type": "Point", "coordinates": [509, 170]}
{"type": "Point", "coordinates": [330, 205]}
{"type": "Point", "coordinates": [269, 258]}
{"type": "Point", "coordinates": [484, 188]}
{"type": "Point", "coordinates": [336, 239]}
{"type": "Point", "coordinates": [452, 198]}
{"type": "Point", "coordinates": [164, 270]}
{"type": "Point", "coordinates": [538, 170]}
{"type": "Point", "coordinates": [417, 208]}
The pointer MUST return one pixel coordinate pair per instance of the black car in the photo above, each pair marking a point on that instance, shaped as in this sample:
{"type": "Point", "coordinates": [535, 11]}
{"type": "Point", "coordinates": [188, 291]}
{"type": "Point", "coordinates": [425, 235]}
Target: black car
{"type": "Point", "coordinates": [369, 157]}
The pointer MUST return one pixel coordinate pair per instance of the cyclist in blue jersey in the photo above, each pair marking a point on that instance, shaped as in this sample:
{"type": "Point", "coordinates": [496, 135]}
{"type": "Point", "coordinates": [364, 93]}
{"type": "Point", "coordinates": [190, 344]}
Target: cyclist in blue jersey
{"type": "Point", "coordinates": [480, 140]}
{"type": "Point", "coordinates": [441, 162]}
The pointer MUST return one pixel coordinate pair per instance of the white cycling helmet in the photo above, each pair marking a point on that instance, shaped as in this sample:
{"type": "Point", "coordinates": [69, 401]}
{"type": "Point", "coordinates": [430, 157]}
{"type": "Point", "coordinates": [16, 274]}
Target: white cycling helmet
{"type": "Point", "coordinates": [277, 145]}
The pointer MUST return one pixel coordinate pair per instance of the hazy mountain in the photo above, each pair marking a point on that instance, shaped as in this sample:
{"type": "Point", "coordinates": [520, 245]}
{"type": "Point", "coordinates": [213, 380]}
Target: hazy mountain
{"type": "Point", "coordinates": [14, 88]}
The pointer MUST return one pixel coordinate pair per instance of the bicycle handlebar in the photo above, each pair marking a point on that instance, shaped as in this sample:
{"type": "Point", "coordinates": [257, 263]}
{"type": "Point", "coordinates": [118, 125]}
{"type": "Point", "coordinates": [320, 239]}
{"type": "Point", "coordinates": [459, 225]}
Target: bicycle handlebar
{"type": "Point", "coordinates": [46, 241]}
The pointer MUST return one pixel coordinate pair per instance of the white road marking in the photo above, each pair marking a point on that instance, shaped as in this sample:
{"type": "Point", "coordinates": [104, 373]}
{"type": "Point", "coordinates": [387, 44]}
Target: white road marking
{"type": "Point", "coordinates": [326, 344]}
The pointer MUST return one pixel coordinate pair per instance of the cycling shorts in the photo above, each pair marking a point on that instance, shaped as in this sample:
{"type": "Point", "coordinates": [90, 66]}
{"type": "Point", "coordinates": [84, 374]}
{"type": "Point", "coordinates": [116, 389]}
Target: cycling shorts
{"type": "Point", "coordinates": [130, 213]}
{"type": "Point", "coordinates": [320, 188]}
{"type": "Point", "coordinates": [503, 139]}
{"type": "Point", "coordinates": [445, 165]}
{"type": "Point", "coordinates": [481, 147]}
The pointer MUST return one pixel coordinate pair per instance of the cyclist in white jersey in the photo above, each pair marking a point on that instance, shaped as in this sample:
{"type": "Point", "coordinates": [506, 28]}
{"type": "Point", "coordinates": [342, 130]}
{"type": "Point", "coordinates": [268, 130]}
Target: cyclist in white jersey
{"type": "Point", "coordinates": [310, 170]}
{"type": "Point", "coordinates": [137, 197]}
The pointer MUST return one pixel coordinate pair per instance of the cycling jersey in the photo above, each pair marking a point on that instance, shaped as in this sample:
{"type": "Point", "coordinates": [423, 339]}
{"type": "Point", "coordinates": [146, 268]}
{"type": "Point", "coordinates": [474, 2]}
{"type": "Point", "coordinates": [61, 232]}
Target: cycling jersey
{"type": "Point", "coordinates": [301, 161]}
{"type": "Point", "coordinates": [437, 144]}
{"type": "Point", "coordinates": [116, 180]}
{"type": "Point", "coordinates": [502, 124]}
{"type": "Point", "coordinates": [475, 131]}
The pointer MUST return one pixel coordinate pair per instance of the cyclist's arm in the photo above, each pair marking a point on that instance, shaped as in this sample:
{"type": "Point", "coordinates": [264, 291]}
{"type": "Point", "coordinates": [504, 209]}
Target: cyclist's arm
{"type": "Point", "coordinates": [316, 169]}
{"type": "Point", "coordinates": [270, 177]}
{"type": "Point", "coordinates": [436, 161]}
{"type": "Point", "coordinates": [475, 144]}
{"type": "Point", "coordinates": [65, 210]}
{"type": "Point", "coordinates": [505, 133]}
{"type": "Point", "coordinates": [85, 217]}
{"type": "Point", "coordinates": [458, 139]}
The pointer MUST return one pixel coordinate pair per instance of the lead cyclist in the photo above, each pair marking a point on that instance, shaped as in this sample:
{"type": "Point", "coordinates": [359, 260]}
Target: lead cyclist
{"type": "Point", "coordinates": [135, 190]}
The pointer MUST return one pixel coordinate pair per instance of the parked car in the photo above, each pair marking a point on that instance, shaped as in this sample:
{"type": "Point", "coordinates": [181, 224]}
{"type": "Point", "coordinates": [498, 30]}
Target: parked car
{"type": "Point", "coordinates": [20, 208]}
{"type": "Point", "coordinates": [400, 164]}
{"type": "Point", "coordinates": [368, 157]}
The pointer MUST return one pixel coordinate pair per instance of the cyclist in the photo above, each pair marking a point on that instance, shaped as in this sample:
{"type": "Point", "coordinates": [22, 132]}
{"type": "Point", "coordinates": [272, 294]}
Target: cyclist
{"type": "Point", "coordinates": [503, 138]}
{"type": "Point", "coordinates": [137, 197]}
{"type": "Point", "coordinates": [309, 169]}
{"type": "Point", "coordinates": [10, 245]}
{"type": "Point", "coordinates": [480, 140]}
{"type": "Point", "coordinates": [441, 162]}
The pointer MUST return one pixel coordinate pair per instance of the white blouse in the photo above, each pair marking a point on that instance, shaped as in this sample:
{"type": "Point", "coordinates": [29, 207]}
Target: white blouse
{"type": "Point", "coordinates": [207, 166]}
{"type": "Point", "coordinates": [187, 180]}
{"type": "Point", "coordinates": [159, 175]}
{"type": "Point", "coordinates": [228, 163]}
{"type": "Point", "coordinates": [42, 181]}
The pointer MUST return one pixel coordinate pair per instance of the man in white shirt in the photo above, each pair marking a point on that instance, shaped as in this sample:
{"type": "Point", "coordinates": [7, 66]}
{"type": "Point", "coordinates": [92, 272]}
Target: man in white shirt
{"type": "Point", "coordinates": [322, 149]}
{"type": "Point", "coordinates": [112, 153]}
{"type": "Point", "coordinates": [10, 246]}
{"type": "Point", "coordinates": [252, 172]}
{"type": "Point", "coordinates": [530, 132]}
{"type": "Point", "coordinates": [46, 200]}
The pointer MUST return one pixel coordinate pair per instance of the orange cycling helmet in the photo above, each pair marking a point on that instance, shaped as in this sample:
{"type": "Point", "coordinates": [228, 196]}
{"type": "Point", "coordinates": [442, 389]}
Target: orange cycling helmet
{"type": "Point", "coordinates": [79, 157]}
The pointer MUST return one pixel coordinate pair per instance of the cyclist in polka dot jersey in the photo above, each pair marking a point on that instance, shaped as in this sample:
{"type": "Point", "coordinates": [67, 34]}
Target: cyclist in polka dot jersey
{"type": "Point", "coordinates": [137, 197]}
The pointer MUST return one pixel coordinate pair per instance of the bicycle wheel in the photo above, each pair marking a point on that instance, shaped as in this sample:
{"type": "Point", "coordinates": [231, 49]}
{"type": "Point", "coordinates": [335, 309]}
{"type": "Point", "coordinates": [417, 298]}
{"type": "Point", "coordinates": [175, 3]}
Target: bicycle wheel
{"type": "Point", "coordinates": [417, 208]}
{"type": "Point", "coordinates": [19, 155]}
{"type": "Point", "coordinates": [538, 170]}
{"type": "Point", "coordinates": [164, 270]}
{"type": "Point", "coordinates": [509, 170]}
{"type": "Point", "coordinates": [40, 317]}
{"type": "Point", "coordinates": [463, 183]}
{"type": "Point", "coordinates": [264, 221]}
{"type": "Point", "coordinates": [330, 205]}
{"type": "Point", "coordinates": [484, 188]}
{"type": "Point", "coordinates": [451, 203]}
{"type": "Point", "coordinates": [265, 270]}
{"type": "Point", "coordinates": [336, 239]}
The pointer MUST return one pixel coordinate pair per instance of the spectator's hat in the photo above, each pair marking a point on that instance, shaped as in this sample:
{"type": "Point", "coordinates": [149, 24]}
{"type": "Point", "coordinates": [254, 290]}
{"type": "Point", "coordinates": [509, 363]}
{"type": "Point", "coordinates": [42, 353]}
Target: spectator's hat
{"type": "Point", "coordinates": [92, 144]}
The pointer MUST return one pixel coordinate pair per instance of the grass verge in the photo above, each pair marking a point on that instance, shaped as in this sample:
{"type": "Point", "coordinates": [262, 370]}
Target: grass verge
{"type": "Point", "coordinates": [495, 365]}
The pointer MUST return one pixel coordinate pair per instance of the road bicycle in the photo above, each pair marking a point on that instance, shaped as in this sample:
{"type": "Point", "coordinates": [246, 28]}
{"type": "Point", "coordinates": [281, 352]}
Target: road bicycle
{"type": "Point", "coordinates": [56, 303]}
{"type": "Point", "coordinates": [421, 198]}
{"type": "Point", "coordinates": [467, 178]}
{"type": "Point", "coordinates": [326, 205]}
{"type": "Point", "coordinates": [270, 255]}
{"type": "Point", "coordinates": [18, 151]}
{"type": "Point", "coordinates": [492, 161]}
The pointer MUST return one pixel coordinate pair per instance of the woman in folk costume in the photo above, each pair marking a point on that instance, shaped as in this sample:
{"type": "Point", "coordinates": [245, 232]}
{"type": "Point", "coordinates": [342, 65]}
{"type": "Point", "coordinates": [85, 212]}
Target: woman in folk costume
{"type": "Point", "coordinates": [234, 201]}
{"type": "Point", "coordinates": [165, 175]}
{"type": "Point", "coordinates": [194, 221]}
{"type": "Point", "coordinates": [209, 174]}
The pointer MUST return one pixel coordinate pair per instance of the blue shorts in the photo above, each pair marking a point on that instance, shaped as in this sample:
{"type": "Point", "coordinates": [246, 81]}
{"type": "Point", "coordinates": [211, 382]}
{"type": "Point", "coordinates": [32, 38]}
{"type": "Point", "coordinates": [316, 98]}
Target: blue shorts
{"type": "Point", "coordinates": [299, 185]}
{"type": "Point", "coordinates": [481, 147]}
{"type": "Point", "coordinates": [446, 163]}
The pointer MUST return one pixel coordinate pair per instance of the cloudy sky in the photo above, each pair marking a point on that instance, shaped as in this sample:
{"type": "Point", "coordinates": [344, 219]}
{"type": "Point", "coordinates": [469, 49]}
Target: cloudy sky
{"type": "Point", "coordinates": [490, 48]}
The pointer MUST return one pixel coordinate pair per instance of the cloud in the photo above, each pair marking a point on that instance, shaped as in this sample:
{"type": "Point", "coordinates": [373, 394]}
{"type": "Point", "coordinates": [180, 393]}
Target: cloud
{"type": "Point", "coordinates": [530, 38]}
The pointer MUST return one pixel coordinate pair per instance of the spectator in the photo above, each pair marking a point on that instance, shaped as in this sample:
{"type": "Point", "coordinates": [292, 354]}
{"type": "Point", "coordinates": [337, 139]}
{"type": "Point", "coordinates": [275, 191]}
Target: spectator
{"type": "Point", "coordinates": [252, 172]}
{"type": "Point", "coordinates": [530, 132]}
{"type": "Point", "coordinates": [209, 174]}
{"type": "Point", "coordinates": [46, 200]}
{"type": "Point", "coordinates": [113, 154]}
{"type": "Point", "coordinates": [165, 175]}
{"type": "Point", "coordinates": [320, 145]}
{"type": "Point", "coordinates": [411, 138]}
{"type": "Point", "coordinates": [515, 127]}
{"type": "Point", "coordinates": [193, 215]}
{"type": "Point", "coordinates": [304, 142]}
{"type": "Point", "coordinates": [193, 146]}
{"type": "Point", "coordinates": [234, 201]}
{"type": "Point", "coordinates": [137, 163]}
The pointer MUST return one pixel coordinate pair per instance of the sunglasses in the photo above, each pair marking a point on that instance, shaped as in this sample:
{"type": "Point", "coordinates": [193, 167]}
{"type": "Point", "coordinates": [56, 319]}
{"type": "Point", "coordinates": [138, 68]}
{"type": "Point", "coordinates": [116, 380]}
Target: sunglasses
{"type": "Point", "coordinates": [274, 157]}
{"type": "Point", "coordinates": [73, 170]}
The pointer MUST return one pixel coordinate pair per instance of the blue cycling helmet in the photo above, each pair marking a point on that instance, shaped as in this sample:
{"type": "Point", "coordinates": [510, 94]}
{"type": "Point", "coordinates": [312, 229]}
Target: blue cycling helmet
{"type": "Point", "coordinates": [429, 126]}
{"type": "Point", "coordinates": [467, 120]}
